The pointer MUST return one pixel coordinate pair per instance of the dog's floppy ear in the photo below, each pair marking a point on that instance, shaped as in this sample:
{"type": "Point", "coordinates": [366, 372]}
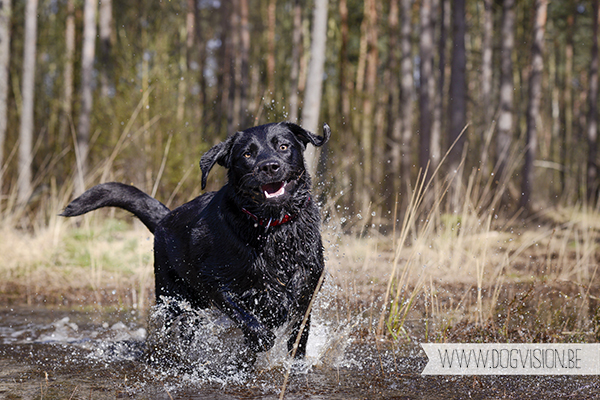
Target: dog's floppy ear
{"type": "Point", "coordinates": [220, 154]}
{"type": "Point", "coordinates": [308, 137]}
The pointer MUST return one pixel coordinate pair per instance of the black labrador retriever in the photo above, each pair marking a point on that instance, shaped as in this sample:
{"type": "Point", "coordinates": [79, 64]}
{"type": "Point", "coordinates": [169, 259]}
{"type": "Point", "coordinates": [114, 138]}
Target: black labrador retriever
{"type": "Point", "coordinates": [253, 249]}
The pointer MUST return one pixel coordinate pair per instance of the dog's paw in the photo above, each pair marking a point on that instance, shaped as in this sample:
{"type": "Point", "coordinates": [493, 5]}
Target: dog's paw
{"type": "Point", "coordinates": [260, 340]}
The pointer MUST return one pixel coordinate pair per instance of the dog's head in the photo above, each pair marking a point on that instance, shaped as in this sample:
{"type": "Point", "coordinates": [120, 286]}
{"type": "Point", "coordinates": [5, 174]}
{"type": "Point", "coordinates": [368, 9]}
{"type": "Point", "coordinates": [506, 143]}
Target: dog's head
{"type": "Point", "coordinates": [265, 163]}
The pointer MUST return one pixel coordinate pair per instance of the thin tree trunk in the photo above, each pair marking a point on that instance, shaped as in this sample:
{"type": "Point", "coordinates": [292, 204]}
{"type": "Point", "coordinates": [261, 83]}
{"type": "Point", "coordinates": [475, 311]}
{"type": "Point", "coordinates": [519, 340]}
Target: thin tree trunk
{"type": "Point", "coordinates": [557, 119]}
{"type": "Point", "coordinates": [271, 11]}
{"type": "Point", "coordinates": [567, 138]}
{"type": "Point", "coordinates": [367, 126]}
{"type": "Point", "coordinates": [224, 71]}
{"type": "Point", "coordinates": [486, 63]}
{"type": "Point", "coordinates": [28, 90]}
{"type": "Point", "coordinates": [87, 66]}
{"type": "Point", "coordinates": [186, 43]}
{"type": "Point", "coordinates": [359, 86]}
{"type": "Point", "coordinates": [245, 62]}
{"type": "Point", "coordinates": [425, 78]}
{"type": "Point", "coordinates": [148, 138]}
{"type": "Point", "coordinates": [236, 69]}
{"type": "Point", "coordinates": [201, 52]}
{"type": "Point", "coordinates": [533, 107]}
{"type": "Point", "coordinates": [435, 154]}
{"type": "Point", "coordinates": [592, 127]}
{"type": "Point", "coordinates": [5, 19]}
{"type": "Point", "coordinates": [505, 115]}
{"type": "Point", "coordinates": [67, 100]}
{"type": "Point", "coordinates": [486, 82]}
{"type": "Point", "coordinates": [407, 91]}
{"type": "Point", "coordinates": [183, 64]}
{"type": "Point", "coordinates": [105, 32]}
{"type": "Point", "coordinates": [190, 25]}
{"type": "Point", "coordinates": [304, 57]}
{"type": "Point", "coordinates": [314, 80]}
{"type": "Point", "coordinates": [394, 123]}
{"type": "Point", "coordinates": [346, 90]}
{"type": "Point", "coordinates": [344, 104]}
{"type": "Point", "coordinates": [580, 123]}
{"type": "Point", "coordinates": [458, 100]}
{"type": "Point", "coordinates": [295, 69]}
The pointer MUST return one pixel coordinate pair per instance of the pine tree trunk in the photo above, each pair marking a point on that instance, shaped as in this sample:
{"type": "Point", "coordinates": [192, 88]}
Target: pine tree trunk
{"type": "Point", "coordinates": [87, 67]}
{"type": "Point", "coordinates": [5, 19]}
{"type": "Point", "coordinates": [271, 10]}
{"type": "Point", "coordinates": [245, 63]}
{"type": "Point", "coordinates": [105, 33]}
{"type": "Point", "coordinates": [486, 83]}
{"type": "Point", "coordinates": [346, 118]}
{"type": "Point", "coordinates": [67, 100]}
{"type": "Point", "coordinates": [200, 49]}
{"type": "Point", "coordinates": [221, 108]}
{"type": "Point", "coordinates": [28, 90]}
{"type": "Point", "coordinates": [567, 131]}
{"type": "Point", "coordinates": [295, 61]}
{"type": "Point", "coordinates": [505, 115]}
{"type": "Point", "coordinates": [486, 63]}
{"type": "Point", "coordinates": [394, 123]}
{"type": "Point", "coordinates": [425, 79]}
{"type": "Point", "coordinates": [406, 91]}
{"type": "Point", "coordinates": [236, 65]}
{"type": "Point", "coordinates": [314, 80]}
{"type": "Point", "coordinates": [190, 25]}
{"type": "Point", "coordinates": [344, 88]}
{"type": "Point", "coordinates": [435, 153]}
{"type": "Point", "coordinates": [592, 127]}
{"type": "Point", "coordinates": [186, 43]}
{"type": "Point", "coordinates": [368, 112]}
{"type": "Point", "coordinates": [458, 101]}
{"type": "Point", "coordinates": [183, 64]}
{"type": "Point", "coordinates": [148, 137]}
{"type": "Point", "coordinates": [533, 106]}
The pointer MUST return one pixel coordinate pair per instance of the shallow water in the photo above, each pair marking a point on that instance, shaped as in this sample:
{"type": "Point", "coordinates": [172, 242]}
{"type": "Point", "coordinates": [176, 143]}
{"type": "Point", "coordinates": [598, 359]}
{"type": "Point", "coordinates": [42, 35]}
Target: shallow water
{"type": "Point", "coordinates": [56, 353]}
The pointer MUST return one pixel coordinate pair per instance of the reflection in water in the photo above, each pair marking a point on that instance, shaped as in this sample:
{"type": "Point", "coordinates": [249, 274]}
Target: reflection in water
{"type": "Point", "coordinates": [200, 348]}
{"type": "Point", "coordinates": [55, 353]}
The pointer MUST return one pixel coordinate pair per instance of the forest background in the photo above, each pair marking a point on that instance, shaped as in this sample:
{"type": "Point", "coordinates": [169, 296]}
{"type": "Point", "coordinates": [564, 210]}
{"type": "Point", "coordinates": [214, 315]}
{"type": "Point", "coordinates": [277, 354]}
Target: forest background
{"type": "Point", "coordinates": [137, 91]}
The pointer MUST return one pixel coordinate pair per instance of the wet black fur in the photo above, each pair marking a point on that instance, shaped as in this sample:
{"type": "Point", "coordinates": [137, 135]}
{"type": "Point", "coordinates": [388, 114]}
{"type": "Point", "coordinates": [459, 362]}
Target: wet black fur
{"type": "Point", "coordinates": [209, 252]}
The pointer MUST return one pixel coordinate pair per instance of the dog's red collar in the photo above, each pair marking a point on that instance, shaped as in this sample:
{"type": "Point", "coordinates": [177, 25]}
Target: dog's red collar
{"type": "Point", "coordinates": [268, 222]}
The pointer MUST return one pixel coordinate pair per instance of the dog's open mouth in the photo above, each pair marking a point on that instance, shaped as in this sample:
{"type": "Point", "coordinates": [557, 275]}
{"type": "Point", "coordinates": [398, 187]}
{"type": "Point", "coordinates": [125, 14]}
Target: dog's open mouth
{"type": "Point", "coordinates": [273, 189]}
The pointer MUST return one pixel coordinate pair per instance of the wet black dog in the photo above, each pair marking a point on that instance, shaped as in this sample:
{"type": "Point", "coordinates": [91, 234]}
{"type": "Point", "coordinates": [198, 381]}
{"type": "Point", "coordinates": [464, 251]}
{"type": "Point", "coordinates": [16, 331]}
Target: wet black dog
{"type": "Point", "coordinates": [253, 249]}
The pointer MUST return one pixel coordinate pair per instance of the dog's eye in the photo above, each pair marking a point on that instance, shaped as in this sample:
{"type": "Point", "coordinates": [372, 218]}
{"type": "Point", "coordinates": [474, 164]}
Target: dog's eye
{"type": "Point", "coordinates": [283, 147]}
{"type": "Point", "coordinates": [247, 154]}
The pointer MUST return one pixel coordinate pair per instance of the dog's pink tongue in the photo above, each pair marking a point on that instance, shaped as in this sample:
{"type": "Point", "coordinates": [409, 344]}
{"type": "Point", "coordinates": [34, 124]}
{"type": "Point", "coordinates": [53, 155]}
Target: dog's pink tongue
{"type": "Point", "coordinates": [274, 189]}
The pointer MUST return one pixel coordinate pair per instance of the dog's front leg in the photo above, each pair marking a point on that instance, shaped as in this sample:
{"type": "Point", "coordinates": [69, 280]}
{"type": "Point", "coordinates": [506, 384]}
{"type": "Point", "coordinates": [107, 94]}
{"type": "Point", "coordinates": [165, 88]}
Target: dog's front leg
{"type": "Point", "coordinates": [301, 350]}
{"type": "Point", "coordinates": [258, 337]}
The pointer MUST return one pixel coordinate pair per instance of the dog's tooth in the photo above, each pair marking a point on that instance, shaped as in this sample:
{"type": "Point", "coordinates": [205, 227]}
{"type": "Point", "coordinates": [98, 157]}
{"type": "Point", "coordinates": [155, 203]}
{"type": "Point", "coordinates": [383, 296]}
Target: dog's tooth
{"type": "Point", "coordinates": [278, 193]}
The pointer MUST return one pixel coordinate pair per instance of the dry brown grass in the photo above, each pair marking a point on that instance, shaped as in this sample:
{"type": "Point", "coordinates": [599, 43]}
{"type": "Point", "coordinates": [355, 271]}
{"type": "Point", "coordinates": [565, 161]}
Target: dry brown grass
{"type": "Point", "coordinates": [460, 276]}
{"type": "Point", "coordinates": [93, 260]}
{"type": "Point", "coordinates": [457, 277]}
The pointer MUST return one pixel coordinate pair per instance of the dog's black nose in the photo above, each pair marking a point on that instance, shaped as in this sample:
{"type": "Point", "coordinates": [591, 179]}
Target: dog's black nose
{"type": "Point", "coordinates": [270, 167]}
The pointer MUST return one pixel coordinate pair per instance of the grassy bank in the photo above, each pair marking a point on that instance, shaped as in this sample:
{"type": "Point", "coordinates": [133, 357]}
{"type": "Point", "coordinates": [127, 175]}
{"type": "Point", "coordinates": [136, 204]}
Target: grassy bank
{"type": "Point", "coordinates": [459, 278]}
{"type": "Point", "coordinates": [455, 277]}
{"type": "Point", "coordinates": [95, 260]}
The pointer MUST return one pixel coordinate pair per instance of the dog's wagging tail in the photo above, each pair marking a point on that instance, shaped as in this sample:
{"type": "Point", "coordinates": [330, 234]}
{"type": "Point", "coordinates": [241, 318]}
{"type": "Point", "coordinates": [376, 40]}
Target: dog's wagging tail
{"type": "Point", "coordinates": [253, 248]}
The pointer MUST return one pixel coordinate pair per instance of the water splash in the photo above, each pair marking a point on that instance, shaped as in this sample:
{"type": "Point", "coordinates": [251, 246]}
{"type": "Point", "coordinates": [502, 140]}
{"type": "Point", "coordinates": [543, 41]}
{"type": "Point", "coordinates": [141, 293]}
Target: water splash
{"type": "Point", "coordinates": [206, 346]}
{"type": "Point", "coordinates": [196, 344]}
{"type": "Point", "coordinates": [198, 349]}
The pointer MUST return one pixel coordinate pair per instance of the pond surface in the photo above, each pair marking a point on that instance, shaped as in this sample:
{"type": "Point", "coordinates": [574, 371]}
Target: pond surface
{"type": "Point", "coordinates": [98, 354]}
